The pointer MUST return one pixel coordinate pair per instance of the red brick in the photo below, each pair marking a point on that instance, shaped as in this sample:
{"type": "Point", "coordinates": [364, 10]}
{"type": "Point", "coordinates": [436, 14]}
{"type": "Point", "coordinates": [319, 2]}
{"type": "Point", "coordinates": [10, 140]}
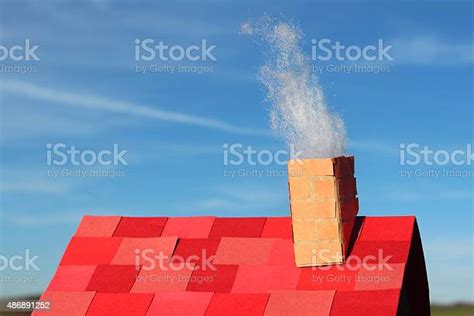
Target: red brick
{"type": "Point", "coordinates": [299, 188]}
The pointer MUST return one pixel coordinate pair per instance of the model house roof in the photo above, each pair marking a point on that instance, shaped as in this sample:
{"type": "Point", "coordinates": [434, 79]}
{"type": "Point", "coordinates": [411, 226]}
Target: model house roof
{"type": "Point", "coordinates": [155, 266]}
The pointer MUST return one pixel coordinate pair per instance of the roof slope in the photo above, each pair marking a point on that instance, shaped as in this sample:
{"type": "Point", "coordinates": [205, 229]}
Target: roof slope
{"type": "Point", "coordinates": [134, 266]}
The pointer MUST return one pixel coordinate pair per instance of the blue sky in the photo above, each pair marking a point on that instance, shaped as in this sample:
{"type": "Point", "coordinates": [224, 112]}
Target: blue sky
{"type": "Point", "coordinates": [86, 92]}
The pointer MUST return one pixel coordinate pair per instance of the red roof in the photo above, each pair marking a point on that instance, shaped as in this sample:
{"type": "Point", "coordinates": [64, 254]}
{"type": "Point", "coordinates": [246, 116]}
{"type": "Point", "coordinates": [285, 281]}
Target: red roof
{"type": "Point", "coordinates": [252, 272]}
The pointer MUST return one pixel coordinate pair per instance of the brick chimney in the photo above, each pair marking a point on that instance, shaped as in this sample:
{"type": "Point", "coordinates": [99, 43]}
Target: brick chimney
{"type": "Point", "coordinates": [324, 204]}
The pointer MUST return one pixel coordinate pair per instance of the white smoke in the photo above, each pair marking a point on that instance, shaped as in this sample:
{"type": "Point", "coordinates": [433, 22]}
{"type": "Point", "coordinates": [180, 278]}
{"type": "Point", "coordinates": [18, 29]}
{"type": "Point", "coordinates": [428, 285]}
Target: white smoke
{"type": "Point", "coordinates": [298, 109]}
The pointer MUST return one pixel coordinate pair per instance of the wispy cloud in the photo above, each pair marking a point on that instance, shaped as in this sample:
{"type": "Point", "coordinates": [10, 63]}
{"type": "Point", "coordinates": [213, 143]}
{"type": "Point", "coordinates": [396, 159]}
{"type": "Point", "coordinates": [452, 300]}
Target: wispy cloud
{"type": "Point", "coordinates": [25, 122]}
{"type": "Point", "coordinates": [33, 187]}
{"type": "Point", "coordinates": [162, 151]}
{"type": "Point", "coordinates": [99, 103]}
{"type": "Point", "coordinates": [23, 218]}
{"type": "Point", "coordinates": [239, 200]}
{"type": "Point", "coordinates": [53, 217]}
{"type": "Point", "coordinates": [14, 180]}
{"type": "Point", "coordinates": [373, 146]}
{"type": "Point", "coordinates": [431, 50]}
{"type": "Point", "coordinates": [433, 195]}
{"type": "Point", "coordinates": [449, 248]}
{"type": "Point", "coordinates": [449, 259]}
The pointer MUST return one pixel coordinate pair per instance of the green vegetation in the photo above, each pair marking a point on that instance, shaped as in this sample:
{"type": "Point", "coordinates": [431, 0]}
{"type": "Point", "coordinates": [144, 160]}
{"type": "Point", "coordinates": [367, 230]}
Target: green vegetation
{"type": "Point", "coordinates": [452, 310]}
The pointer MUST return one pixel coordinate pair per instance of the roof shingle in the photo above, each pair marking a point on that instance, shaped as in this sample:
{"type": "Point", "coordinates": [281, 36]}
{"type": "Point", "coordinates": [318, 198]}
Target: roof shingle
{"type": "Point", "coordinates": [249, 269]}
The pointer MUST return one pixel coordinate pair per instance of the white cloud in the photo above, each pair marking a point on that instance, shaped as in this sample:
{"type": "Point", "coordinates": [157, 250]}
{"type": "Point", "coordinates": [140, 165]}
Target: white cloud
{"type": "Point", "coordinates": [241, 200]}
{"type": "Point", "coordinates": [41, 218]}
{"type": "Point", "coordinates": [152, 152]}
{"type": "Point", "coordinates": [99, 103]}
{"type": "Point", "coordinates": [16, 180]}
{"type": "Point", "coordinates": [449, 260]}
{"type": "Point", "coordinates": [60, 216]}
{"type": "Point", "coordinates": [23, 219]}
{"type": "Point", "coordinates": [33, 186]}
{"type": "Point", "coordinates": [374, 146]}
{"type": "Point", "coordinates": [451, 248]}
{"type": "Point", "coordinates": [432, 195]}
{"type": "Point", "coordinates": [430, 50]}
{"type": "Point", "coordinates": [20, 122]}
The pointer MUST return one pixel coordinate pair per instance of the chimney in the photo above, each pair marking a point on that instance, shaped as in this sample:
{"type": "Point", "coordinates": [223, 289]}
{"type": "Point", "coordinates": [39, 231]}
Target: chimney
{"type": "Point", "coordinates": [323, 204]}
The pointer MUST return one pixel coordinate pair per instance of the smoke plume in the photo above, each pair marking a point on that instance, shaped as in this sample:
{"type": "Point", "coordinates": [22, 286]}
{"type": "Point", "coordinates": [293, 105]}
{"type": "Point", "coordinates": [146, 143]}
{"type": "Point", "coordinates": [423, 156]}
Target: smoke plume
{"type": "Point", "coordinates": [298, 109]}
